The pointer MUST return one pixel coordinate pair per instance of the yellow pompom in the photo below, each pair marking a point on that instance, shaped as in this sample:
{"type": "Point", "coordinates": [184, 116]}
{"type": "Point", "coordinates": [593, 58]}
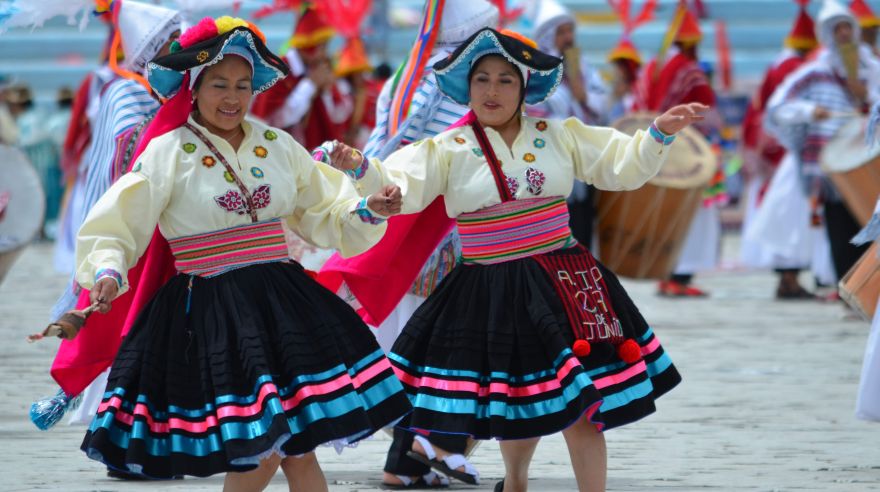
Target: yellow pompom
{"type": "Point", "coordinates": [227, 23]}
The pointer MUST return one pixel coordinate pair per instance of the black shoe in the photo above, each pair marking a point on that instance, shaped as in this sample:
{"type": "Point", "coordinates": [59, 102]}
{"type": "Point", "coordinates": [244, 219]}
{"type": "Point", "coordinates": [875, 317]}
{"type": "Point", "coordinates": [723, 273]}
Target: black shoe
{"type": "Point", "coordinates": [124, 475]}
{"type": "Point", "coordinates": [499, 487]}
{"type": "Point", "coordinates": [135, 477]}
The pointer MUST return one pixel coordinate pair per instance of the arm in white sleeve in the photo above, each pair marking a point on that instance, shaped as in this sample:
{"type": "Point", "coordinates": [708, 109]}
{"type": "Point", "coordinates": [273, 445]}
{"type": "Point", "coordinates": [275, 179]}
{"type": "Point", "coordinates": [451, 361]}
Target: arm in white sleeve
{"type": "Point", "coordinates": [610, 159]}
{"type": "Point", "coordinates": [420, 169]}
{"type": "Point", "coordinates": [326, 207]}
{"type": "Point", "coordinates": [118, 228]}
{"type": "Point", "coordinates": [297, 104]}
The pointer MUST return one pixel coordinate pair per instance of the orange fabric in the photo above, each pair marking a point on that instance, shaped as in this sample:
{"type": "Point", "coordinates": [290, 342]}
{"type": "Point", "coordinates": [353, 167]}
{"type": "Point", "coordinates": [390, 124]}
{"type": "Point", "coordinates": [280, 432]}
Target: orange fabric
{"type": "Point", "coordinates": [625, 50]}
{"type": "Point", "coordinates": [519, 37]}
{"type": "Point", "coordinates": [689, 30]}
{"type": "Point", "coordinates": [864, 14]}
{"type": "Point", "coordinates": [803, 33]}
{"type": "Point", "coordinates": [310, 30]}
{"type": "Point", "coordinates": [352, 58]}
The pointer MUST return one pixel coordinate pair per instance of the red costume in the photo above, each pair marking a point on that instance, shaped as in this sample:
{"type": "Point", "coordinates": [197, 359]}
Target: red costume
{"type": "Point", "coordinates": [318, 124]}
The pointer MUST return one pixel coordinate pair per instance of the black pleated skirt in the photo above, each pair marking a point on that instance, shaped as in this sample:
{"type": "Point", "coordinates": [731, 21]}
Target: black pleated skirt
{"type": "Point", "coordinates": [218, 373]}
{"type": "Point", "coordinates": [489, 355]}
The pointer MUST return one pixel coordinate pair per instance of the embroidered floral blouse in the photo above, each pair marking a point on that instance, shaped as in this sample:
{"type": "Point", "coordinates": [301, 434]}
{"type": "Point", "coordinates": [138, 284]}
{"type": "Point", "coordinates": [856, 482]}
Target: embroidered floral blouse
{"type": "Point", "coordinates": [179, 184]}
{"type": "Point", "coordinates": [546, 157]}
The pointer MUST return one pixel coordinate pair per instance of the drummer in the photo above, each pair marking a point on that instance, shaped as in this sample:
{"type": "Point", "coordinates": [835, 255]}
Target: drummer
{"type": "Point", "coordinates": [811, 105]}
{"type": "Point", "coordinates": [681, 80]}
{"type": "Point", "coordinates": [762, 156]}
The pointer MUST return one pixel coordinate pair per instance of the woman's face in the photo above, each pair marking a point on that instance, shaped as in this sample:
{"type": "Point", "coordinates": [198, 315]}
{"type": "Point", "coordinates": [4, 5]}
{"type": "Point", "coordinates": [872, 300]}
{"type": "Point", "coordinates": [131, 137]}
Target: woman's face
{"type": "Point", "coordinates": [843, 33]}
{"type": "Point", "coordinates": [495, 89]}
{"type": "Point", "coordinates": [224, 94]}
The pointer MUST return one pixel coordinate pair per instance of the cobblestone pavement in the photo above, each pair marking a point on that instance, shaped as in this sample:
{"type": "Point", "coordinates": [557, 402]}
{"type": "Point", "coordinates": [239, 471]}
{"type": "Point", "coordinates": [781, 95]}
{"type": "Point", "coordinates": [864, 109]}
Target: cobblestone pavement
{"type": "Point", "coordinates": [766, 403]}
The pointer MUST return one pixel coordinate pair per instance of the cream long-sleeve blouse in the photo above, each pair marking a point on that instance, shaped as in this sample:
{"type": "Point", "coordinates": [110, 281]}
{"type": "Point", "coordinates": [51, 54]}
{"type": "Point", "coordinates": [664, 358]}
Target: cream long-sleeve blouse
{"type": "Point", "coordinates": [546, 157]}
{"type": "Point", "coordinates": [179, 184]}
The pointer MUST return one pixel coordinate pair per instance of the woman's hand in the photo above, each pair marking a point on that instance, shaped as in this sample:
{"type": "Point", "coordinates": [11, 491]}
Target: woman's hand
{"type": "Point", "coordinates": [678, 117]}
{"type": "Point", "coordinates": [103, 292]}
{"type": "Point", "coordinates": [345, 158]}
{"type": "Point", "coordinates": [386, 202]}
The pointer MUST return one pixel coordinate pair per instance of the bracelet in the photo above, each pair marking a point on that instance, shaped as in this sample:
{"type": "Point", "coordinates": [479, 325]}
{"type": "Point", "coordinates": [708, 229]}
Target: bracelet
{"type": "Point", "coordinates": [109, 273]}
{"type": "Point", "coordinates": [659, 136]}
{"type": "Point", "coordinates": [360, 171]}
{"type": "Point", "coordinates": [365, 214]}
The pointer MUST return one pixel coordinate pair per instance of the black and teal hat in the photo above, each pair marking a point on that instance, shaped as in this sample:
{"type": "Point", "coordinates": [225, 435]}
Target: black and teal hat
{"type": "Point", "coordinates": [542, 73]}
{"type": "Point", "coordinates": [166, 73]}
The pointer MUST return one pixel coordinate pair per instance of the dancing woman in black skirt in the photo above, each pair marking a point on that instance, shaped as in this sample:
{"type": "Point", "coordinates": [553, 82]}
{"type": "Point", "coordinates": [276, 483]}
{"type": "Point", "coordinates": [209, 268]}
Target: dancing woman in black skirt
{"type": "Point", "coordinates": [242, 361]}
{"type": "Point", "coordinates": [529, 335]}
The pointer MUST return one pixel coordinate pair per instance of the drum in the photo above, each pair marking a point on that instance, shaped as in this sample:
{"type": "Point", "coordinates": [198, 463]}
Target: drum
{"type": "Point", "coordinates": [860, 287]}
{"type": "Point", "coordinates": [23, 204]}
{"type": "Point", "coordinates": [641, 232]}
{"type": "Point", "coordinates": [854, 168]}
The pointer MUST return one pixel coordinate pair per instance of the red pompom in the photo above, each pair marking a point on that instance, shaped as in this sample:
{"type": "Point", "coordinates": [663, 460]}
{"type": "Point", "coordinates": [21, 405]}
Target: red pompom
{"type": "Point", "coordinates": [629, 351]}
{"type": "Point", "coordinates": [205, 29]}
{"type": "Point", "coordinates": [581, 348]}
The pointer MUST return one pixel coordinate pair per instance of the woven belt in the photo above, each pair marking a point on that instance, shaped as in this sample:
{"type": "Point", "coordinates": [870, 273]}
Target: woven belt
{"type": "Point", "coordinates": [212, 253]}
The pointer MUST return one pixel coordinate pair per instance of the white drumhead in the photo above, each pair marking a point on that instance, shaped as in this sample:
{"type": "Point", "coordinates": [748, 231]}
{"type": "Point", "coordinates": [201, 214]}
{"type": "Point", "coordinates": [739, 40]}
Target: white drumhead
{"type": "Point", "coordinates": [847, 150]}
{"type": "Point", "coordinates": [27, 203]}
{"type": "Point", "coordinates": [691, 162]}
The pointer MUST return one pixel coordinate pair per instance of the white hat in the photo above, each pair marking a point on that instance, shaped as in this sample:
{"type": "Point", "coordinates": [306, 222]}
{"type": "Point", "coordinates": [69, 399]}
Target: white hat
{"type": "Point", "coordinates": [144, 29]}
{"type": "Point", "coordinates": [550, 15]}
{"type": "Point", "coordinates": [832, 13]}
{"type": "Point", "coordinates": [462, 18]}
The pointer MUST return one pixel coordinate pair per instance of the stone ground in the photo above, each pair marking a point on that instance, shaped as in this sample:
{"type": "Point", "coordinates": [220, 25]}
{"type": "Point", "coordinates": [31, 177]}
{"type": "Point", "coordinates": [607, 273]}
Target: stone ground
{"type": "Point", "coordinates": [766, 403]}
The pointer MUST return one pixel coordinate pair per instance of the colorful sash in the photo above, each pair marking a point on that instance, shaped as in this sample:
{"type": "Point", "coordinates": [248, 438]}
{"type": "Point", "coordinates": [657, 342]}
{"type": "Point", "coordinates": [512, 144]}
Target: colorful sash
{"type": "Point", "coordinates": [216, 252]}
{"type": "Point", "coordinates": [514, 229]}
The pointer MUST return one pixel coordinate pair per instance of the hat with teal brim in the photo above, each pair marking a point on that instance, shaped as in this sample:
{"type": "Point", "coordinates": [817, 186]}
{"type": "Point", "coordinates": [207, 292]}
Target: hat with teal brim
{"type": "Point", "coordinates": [165, 73]}
{"type": "Point", "coordinates": [542, 72]}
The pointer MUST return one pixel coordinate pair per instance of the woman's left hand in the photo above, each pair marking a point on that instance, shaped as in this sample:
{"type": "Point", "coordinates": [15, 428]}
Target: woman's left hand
{"type": "Point", "coordinates": [387, 202]}
{"type": "Point", "coordinates": [678, 117]}
{"type": "Point", "coordinates": [345, 158]}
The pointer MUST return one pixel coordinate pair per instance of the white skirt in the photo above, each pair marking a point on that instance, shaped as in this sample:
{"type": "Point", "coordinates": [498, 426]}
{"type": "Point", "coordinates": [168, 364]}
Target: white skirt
{"type": "Point", "coordinates": [701, 247]}
{"type": "Point", "coordinates": [868, 399]}
{"type": "Point", "coordinates": [387, 332]}
{"type": "Point", "coordinates": [85, 412]}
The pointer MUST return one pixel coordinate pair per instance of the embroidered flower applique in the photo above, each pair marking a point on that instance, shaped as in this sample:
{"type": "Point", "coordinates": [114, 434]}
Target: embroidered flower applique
{"type": "Point", "coordinates": [529, 157]}
{"type": "Point", "coordinates": [512, 184]}
{"type": "Point", "coordinates": [208, 161]}
{"type": "Point", "coordinates": [541, 125]}
{"type": "Point", "coordinates": [260, 151]}
{"type": "Point", "coordinates": [231, 201]}
{"type": "Point", "coordinates": [536, 180]}
{"type": "Point", "coordinates": [189, 147]}
{"type": "Point", "coordinates": [261, 196]}
{"type": "Point", "coordinates": [270, 135]}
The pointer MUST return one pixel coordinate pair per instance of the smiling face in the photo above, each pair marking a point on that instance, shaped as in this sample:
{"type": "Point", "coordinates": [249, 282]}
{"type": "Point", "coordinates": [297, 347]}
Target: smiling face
{"type": "Point", "coordinates": [495, 90]}
{"type": "Point", "coordinates": [223, 94]}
